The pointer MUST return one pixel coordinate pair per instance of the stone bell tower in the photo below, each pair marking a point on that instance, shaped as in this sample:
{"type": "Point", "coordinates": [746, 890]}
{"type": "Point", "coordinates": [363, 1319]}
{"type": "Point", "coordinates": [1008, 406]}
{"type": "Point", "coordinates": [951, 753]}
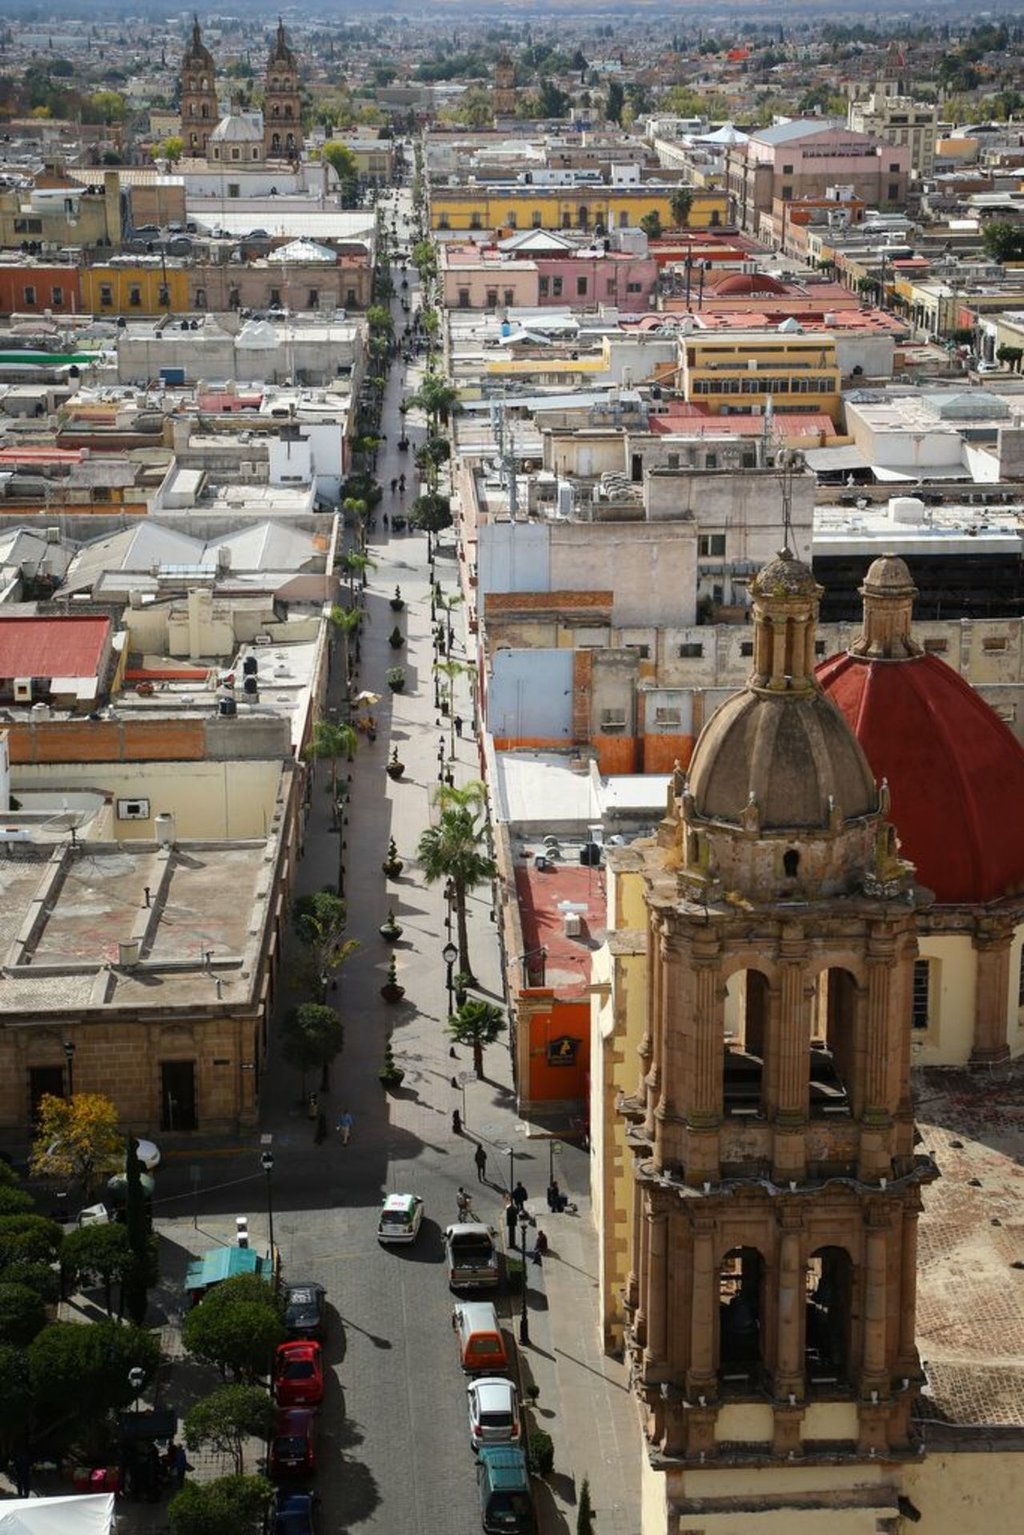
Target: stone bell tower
{"type": "Point", "coordinates": [504, 86]}
{"type": "Point", "coordinates": [199, 111]}
{"type": "Point", "coordinates": [282, 103]}
{"type": "Point", "coordinates": [770, 1303]}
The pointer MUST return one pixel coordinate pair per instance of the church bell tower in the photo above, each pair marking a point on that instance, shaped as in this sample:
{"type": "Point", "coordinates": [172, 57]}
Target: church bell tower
{"type": "Point", "coordinates": [199, 110]}
{"type": "Point", "coordinates": [282, 103]}
{"type": "Point", "coordinates": [770, 1303]}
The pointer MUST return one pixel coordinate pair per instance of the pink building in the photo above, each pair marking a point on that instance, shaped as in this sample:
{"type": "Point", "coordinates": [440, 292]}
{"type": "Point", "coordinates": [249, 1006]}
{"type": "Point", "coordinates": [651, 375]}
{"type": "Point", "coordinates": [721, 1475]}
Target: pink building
{"type": "Point", "coordinates": [487, 277]}
{"type": "Point", "coordinates": [803, 158]}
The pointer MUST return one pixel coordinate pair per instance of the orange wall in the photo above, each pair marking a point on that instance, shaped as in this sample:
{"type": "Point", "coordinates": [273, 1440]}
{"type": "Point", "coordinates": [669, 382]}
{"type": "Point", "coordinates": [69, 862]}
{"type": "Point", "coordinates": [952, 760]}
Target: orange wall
{"type": "Point", "coordinates": [662, 752]}
{"type": "Point", "coordinates": [166, 740]}
{"type": "Point", "coordinates": [551, 1020]}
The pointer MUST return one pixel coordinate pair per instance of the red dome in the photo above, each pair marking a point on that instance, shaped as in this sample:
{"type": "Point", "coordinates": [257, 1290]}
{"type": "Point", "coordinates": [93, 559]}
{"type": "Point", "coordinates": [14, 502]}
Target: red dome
{"type": "Point", "coordinates": [746, 285]}
{"type": "Point", "coordinates": [955, 771]}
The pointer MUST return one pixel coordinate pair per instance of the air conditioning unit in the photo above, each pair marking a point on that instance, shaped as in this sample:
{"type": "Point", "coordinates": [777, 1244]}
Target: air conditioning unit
{"type": "Point", "coordinates": [573, 924]}
{"type": "Point", "coordinates": [133, 810]}
{"type": "Point", "coordinates": [247, 467]}
{"type": "Point", "coordinates": [23, 690]}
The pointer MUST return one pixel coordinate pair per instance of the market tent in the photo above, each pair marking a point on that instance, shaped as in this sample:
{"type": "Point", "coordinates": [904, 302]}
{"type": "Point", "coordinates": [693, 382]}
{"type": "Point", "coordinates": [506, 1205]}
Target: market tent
{"type": "Point", "coordinates": [91, 1514]}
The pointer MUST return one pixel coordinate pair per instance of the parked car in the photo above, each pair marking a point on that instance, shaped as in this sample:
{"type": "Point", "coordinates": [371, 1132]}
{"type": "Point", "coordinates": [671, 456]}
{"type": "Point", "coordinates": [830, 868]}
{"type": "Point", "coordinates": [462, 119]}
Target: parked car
{"type": "Point", "coordinates": [304, 1309]}
{"type": "Point", "coordinates": [400, 1219]}
{"type": "Point", "coordinates": [471, 1256]}
{"type": "Point", "coordinates": [493, 1412]}
{"type": "Point", "coordinates": [293, 1513]}
{"type": "Point", "coordinates": [298, 1374]}
{"type": "Point", "coordinates": [293, 1444]}
{"type": "Point", "coordinates": [506, 1507]}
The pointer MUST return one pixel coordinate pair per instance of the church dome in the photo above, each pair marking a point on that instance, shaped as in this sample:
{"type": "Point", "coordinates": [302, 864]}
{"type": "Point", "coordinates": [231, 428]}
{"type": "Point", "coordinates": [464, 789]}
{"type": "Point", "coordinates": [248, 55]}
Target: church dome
{"type": "Point", "coordinates": [955, 771]}
{"type": "Point", "coordinates": [747, 285]}
{"type": "Point", "coordinates": [236, 129]}
{"type": "Point", "coordinates": [780, 751]}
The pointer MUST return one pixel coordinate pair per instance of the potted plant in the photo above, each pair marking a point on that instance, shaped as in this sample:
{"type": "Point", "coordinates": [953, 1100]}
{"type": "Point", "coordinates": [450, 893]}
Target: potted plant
{"type": "Point", "coordinates": [394, 769]}
{"type": "Point", "coordinates": [390, 930]}
{"type": "Point", "coordinates": [463, 981]}
{"type": "Point", "coordinates": [532, 1393]}
{"type": "Point", "coordinates": [398, 601]}
{"type": "Point", "coordinates": [392, 991]}
{"type": "Point", "coordinates": [392, 864]}
{"type": "Point", "coordinates": [395, 678]}
{"type": "Point", "coordinates": [392, 1076]}
{"type": "Point", "coordinates": [542, 1453]}
{"type": "Point", "coordinates": [396, 639]}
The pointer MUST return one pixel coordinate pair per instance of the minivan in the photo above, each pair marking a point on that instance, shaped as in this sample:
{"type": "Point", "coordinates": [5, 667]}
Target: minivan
{"type": "Point", "coordinates": [481, 1345]}
{"type": "Point", "coordinates": [506, 1507]}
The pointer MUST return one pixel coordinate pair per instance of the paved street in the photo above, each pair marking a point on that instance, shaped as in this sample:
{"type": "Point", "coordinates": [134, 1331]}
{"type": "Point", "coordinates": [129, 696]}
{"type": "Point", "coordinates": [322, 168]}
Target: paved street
{"type": "Point", "coordinates": [393, 1441]}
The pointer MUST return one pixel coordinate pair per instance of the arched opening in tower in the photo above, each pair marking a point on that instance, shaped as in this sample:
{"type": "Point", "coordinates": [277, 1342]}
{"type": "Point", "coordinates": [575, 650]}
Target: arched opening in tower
{"type": "Point", "coordinates": [746, 1030]}
{"type": "Point", "coordinates": [829, 1298]}
{"type": "Point", "coordinates": [833, 1042]}
{"type": "Point", "coordinates": [740, 1301]}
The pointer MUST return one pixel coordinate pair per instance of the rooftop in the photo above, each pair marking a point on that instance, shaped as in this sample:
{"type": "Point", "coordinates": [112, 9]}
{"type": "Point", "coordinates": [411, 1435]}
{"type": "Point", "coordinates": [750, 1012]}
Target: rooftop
{"type": "Point", "coordinates": [553, 900]}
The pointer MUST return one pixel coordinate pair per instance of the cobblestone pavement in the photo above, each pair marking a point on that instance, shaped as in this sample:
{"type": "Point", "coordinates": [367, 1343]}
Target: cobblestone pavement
{"type": "Point", "coordinates": [393, 1436]}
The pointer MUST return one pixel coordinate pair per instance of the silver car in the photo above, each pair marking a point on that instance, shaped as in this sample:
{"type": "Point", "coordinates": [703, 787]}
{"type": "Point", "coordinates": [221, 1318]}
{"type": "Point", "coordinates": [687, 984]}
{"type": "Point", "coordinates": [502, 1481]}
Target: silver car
{"type": "Point", "coordinates": [493, 1412]}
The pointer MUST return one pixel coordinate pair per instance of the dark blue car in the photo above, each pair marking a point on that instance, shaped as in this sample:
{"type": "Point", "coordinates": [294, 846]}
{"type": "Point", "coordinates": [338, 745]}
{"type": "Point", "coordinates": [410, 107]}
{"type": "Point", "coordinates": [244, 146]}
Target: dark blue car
{"type": "Point", "coordinates": [293, 1514]}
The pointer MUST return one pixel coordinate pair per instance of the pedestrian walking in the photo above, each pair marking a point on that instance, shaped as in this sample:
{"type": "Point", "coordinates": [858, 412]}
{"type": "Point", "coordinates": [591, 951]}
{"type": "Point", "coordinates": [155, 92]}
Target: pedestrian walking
{"type": "Point", "coordinates": [480, 1158]}
{"type": "Point", "coordinates": [519, 1195]}
{"type": "Point", "coordinates": [345, 1127]}
{"type": "Point", "coordinates": [385, 522]}
{"type": "Point", "coordinates": [464, 1203]}
{"type": "Point", "coordinates": [511, 1221]}
{"type": "Point", "coordinates": [394, 484]}
{"type": "Point", "coordinates": [458, 725]}
{"type": "Point", "coordinates": [401, 484]}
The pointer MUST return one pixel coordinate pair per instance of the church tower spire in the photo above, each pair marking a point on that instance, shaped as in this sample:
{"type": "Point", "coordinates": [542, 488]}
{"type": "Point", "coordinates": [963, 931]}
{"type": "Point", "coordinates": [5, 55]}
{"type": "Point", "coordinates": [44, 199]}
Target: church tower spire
{"type": "Point", "coordinates": [199, 110]}
{"type": "Point", "coordinates": [282, 103]}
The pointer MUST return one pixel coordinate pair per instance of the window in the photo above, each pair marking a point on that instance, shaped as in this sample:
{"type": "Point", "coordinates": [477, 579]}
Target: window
{"type": "Point", "coordinates": [994, 643]}
{"type": "Point", "coordinates": [673, 461]}
{"type": "Point", "coordinates": [667, 716]}
{"type": "Point", "coordinates": [28, 226]}
{"type": "Point", "coordinates": [234, 189]}
{"type": "Point", "coordinates": [200, 298]}
{"type": "Point", "coordinates": [819, 647]}
{"type": "Point", "coordinates": [442, 222]}
{"type": "Point", "coordinates": [787, 193]}
{"type": "Point", "coordinates": [106, 295]}
{"type": "Point", "coordinates": [350, 298]}
{"type": "Point", "coordinates": [634, 287]}
{"type": "Point", "coordinates": [748, 461]}
{"type": "Point", "coordinates": [894, 168]}
{"type": "Point", "coordinates": [787, 170]}
{"type": "Point", "coordinates": [581, 287]}
{"type": "Point", "coordinates": [275, 298]}
{"type": "Point", "coordinates": [790, 863]}
{"type": "Point", "coordinates": [463, 298]}
{"type": "Point", "coordinates": [747, 648]}
{"type": "Point", "coordinates": [1020, 980]}
{"type": "Point", "coordinates": [556, 287]}
{"type": "Point", "coordinates": [508, 297]}
{"type": "Point", "coordinates": [476, 221]}
{"type": "Point", "coordinates": [513, 219]}
{"type": "Point", "coordinates": [236, 154]}
{"type": "Point", "coordinates": [613, 719]}
{"type": "Point", "coordinates": [691, 650]}
{"type": "Point", "coordinates": [894, 191]}
{"type": "Point", "coordinates": [543, 287]}
{"type": "Point", "coordinates": [711, 545]}
{"type": "Point", "coordinates": [643, 651]}
{"type": "Point", "coordinates": [583, 217]}
{"type": "Point", "coordinates": [623, 220]}
{"type": "Point", "coordinates": [30, 296]}
{"type": "Point", "coordinates": [936, 647]}
{"type": "Point", "coordinates": [711, 461]}
{"type": "Point", "coordinates": [313, 301]}
{"type": "Point", "coordinates": [609, 287]}
{"type": "Point", "coordinates": [920, 996]}
{"type": "Point", "coordinates": [164, 296]}
{"type": "Point", "coordinates": [56, 297]}
{"type": "Point", "coordinates": [234, 298]}
{"type": "Point", "coordinates": [492, 298]}
{"type": "Point", "coordinates": [537, 218]}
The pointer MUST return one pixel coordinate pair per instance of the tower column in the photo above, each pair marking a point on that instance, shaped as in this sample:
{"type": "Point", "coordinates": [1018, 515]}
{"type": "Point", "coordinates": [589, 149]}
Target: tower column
{"type": "Point", "coordinates": [877, 1251]}
{"type": "Point", "coordinates": [700, 1378]}
{"type": "Point", "coordinates": [789, 1375]}
{"type": "Point", "coordinates": [908, 1287]}
{"type": "Point", "coordinates": [657, 1289]}
{"type": "Point", "coordinates": [992, 947]}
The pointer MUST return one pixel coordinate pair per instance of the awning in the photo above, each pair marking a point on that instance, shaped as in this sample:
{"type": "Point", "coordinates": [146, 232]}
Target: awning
{"type": "Point", "coordinates": [833, 460]}
{"type": "Point", "coordinates": [225, 1263]}
{"type": "Point", "coordinates": [89, 1514]}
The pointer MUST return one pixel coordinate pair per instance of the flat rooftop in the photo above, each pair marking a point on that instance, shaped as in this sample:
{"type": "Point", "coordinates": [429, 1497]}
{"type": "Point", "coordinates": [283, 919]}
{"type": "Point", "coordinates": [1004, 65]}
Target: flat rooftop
{"type": "Point", "coordinates": [197, 911]}
{"type": "Point", "coordinates": [550, 898]}
{"type": "Point", "coordinates": [970, 1293]}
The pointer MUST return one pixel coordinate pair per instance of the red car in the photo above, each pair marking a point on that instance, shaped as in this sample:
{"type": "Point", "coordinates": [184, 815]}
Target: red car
{"type": "Point", "coordinates": [298, 1374]}
{"type": "Point", "coordinates": [292, 1447]}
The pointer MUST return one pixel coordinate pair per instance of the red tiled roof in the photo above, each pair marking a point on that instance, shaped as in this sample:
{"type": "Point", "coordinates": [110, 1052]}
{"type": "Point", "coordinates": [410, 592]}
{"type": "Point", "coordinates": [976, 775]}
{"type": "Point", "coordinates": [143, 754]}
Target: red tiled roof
{"type": "Point", "coordinates": [52, 647]}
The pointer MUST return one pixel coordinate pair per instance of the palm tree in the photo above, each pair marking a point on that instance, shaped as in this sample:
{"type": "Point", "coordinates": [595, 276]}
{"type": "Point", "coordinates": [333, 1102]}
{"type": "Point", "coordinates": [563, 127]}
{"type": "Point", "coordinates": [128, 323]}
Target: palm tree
{"type": "Point", "coordinates": [357, 565]}
{"type": "Point", "coordinates": [472, 797]}
{"type": "Point", "coordinates": [681, 204]}
{"type": "Point", "coordinates": [331, 741]}
{"type": "Point", "coordinates": [453, 851]}
{"type": "Point", "coordinates": [355, 508]}
{"type": "Point", "coordinates": [447, 606]}
{"type": "Point", "coordinates": [453, 670]}
{"type": "Point", "coordinates": [345, 622]}
{"type": "Point", "coordinates": [476, 1024]}
{"type": "Point", "coordinates": [438, 398]}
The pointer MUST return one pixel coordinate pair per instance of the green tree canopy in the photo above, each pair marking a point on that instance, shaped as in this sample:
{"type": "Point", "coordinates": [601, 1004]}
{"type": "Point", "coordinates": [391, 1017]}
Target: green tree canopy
{"type": "Point", "coordinates": [83, 1371]}
{"type": "Point", "coordinates": [226, 1418]}
{"type": "Point", "coordinates": [331, 741]}
{"type": "Point", "coordinates": [97, 1255]}
{"type": "Point", "coordinates": [313, 1036]}
{"type": "Point", "coordinates": [431, 513]}
{"type": "Point", "coordinates": [681, 203]}
{"type": "Point", "coordinates": [27, 1240]}
{"type": "Point", "coordinates": [22, 1315]}
{"type": "Point", "coordinates": [237, 1335]}
{"type": "Point", "coordinates": [231, 1505]}
{"type": "Point", "coordinates": [651, 225]}
{"type": "Point", "coordinates": [15, 1392]}
{"type": "Point", "coordinates": [1004, 241]}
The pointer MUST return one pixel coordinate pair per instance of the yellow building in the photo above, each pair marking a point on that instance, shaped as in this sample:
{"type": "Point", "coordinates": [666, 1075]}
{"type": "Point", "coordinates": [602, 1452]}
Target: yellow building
{"type": "Point", "coordinates": [148, 285]}
{"type": "Point", "coordinates": [734, 373]}
{"type": "Point", "coordinates": [595, 206]}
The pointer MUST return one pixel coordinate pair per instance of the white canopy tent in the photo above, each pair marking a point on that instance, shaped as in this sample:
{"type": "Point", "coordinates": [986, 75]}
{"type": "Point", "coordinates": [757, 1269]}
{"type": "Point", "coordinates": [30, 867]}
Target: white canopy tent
{"type": "Point", "coordinates": [74, 1514]}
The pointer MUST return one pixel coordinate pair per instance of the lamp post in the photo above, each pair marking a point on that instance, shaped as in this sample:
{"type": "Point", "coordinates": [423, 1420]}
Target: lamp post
{"type": "Point", "coordinates": [524, 1316]}
{"type": "Point", "coordinates": [267, 1164]}
{"type": "Point", "coordinates": [504, 1148]}
{"type": "Point", "coordinates": [553, 1147]}
{"type": "Point", "coordinates": [69, 1056]}
{"type": "Point", "coordinates": [449, 897]}
{"type": "Point", "coordinates": [449, 954]}
{"type": "Point", "coordinates": [136, 1379]}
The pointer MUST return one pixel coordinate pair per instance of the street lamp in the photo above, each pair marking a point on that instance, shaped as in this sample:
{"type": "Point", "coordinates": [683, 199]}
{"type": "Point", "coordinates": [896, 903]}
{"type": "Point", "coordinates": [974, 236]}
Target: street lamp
{"type": "Point", "coordinates": [267, 1164]}
{"type": "Point", "coordinates": [449, 954]}
{"type": "Point", "coordinates": [524, 1317]}
{"type": "Point", "coordinates": [553, 1147]}
{"type": "Point", "coordinates": [505, 1148]}
{"type": "Point", "coordinates": [69, 1056]}
{"type": "Point", "coordinates": [449, 897]}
